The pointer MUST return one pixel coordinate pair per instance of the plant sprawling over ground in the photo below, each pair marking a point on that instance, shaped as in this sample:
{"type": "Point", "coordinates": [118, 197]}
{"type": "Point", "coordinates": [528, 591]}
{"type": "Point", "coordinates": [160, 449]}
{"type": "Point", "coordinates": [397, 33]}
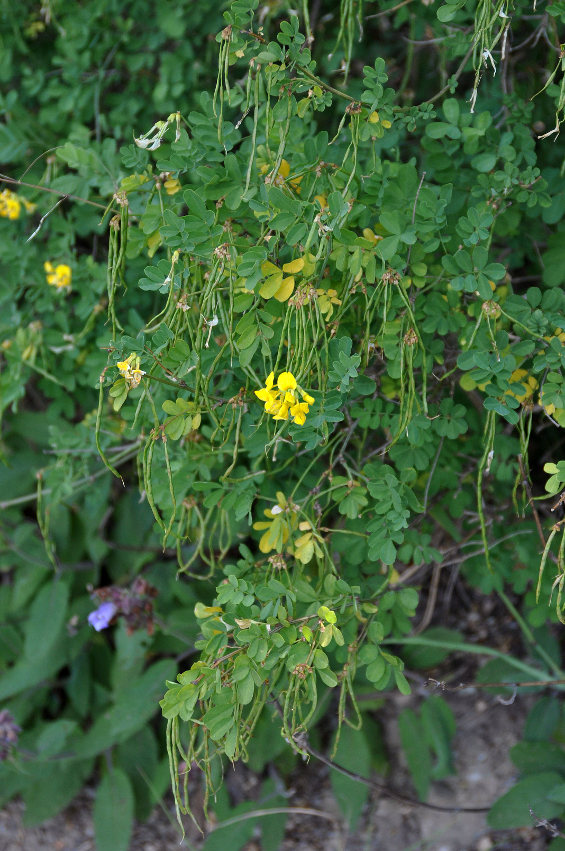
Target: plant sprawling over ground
{"type": "Point", "coordinates": [281, 355]}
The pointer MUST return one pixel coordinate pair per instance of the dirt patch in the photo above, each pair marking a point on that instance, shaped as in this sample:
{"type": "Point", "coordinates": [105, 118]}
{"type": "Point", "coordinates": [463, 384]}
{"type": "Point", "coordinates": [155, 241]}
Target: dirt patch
{"type": "Point", "coordinates": [486, 730]}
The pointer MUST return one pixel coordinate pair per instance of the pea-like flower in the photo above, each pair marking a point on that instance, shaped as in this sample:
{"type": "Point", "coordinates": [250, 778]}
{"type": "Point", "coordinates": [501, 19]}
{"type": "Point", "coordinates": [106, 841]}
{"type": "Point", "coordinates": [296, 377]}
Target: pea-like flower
{"type": "Point", "coordinates": [100, 618]}
{"type": "Point", "coordinates": [281, 400]}
{"type": "Point", "coordinates": [59, 276]}
{"type": "Point", "coordinates": [374, 118]}
{"type": "Point", "coordinates": [130, 370]}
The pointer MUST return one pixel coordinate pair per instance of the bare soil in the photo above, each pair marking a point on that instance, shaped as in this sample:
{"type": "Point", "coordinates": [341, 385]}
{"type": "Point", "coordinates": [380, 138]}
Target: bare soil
{"type": "Point", "coordinates": [486, 730]}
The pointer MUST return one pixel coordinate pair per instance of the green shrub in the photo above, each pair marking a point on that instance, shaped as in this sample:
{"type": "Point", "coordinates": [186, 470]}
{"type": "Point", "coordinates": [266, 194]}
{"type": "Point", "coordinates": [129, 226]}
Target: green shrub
{"type": "Point", "coordinates": [320, 368]}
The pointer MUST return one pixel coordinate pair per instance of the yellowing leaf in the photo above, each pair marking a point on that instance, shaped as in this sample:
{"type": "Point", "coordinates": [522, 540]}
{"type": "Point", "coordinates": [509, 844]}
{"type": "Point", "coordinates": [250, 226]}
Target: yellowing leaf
{"type": "Point", "coordinates": [269, 268]}
{"type": "Point", "coordinates": [294, 266]}
{"type": "Point", "coordinates": [304, 548]}
{"type": "Point", "coordinates": [326, 614]}
{"type": "Point", "coordinates": [271, 285]}
{"type": "Point", "coordinates": [153, 243]}
{"type": "Point", "coordinates": [285, 290]}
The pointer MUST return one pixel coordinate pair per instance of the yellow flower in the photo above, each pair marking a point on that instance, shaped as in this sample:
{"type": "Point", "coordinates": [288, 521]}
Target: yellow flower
{"type": "Point", "coordinates": [286, 381]}
{"type": "Point", "coordinates": [282, 413]}
{"type": "Point", "coordinates": [266, 394]}
{"type": "Point", "coordinates": [59, 276]}
{"type": "Point", "coordinates": [322, 201]}
{"type": "Point", "coordinates": [129, 369]}
{"type": "Point", "coordinates": [281, 177]}
{"type": "Point", "coordinates": [558, 334]}
{"type": "Point", "coordinates": [135, 377]}
{"type": "Point", "coordinates": [298, 412]}
{"type": "Point", "coordinates": [172, 185]}
{"type": "Point", "coordinates": [529, 385]}
{"type": "Point", "coordinates": [374, 118]}
{"type": "Point", "coordinates": [281, 401]}
{"type": "Point", "coordinates": [10, 205]}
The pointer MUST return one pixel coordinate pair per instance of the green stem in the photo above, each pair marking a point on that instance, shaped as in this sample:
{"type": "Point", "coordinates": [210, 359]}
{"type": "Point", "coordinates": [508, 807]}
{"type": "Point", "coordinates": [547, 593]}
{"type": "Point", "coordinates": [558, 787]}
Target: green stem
{"type": "Point", "coordinates": [477, 649]}
{"type": "Point", "coordinates": [529, 636]}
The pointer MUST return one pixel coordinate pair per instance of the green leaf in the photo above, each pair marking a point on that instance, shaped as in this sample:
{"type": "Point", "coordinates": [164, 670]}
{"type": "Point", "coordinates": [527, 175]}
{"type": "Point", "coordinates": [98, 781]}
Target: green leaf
{"type": "Point", "coordinates": [439, 725]}
{"type": "Point", "coordinates": [543, 719]}
{"type": "Point", "coordinates": [327, 677]}
{"type": "Point", "coordinates": [450, 108]}
{"type": "Point", "coordinates": [387, 247]}
{"type": "Point", "coordinates": [414, 743]}
{"type": "Point", "coordinates": [428, 657]}
{"type": "Point", "coordinates": [138, 758]}
{"type": "Point", "coordinates": [175, 428]}
{"type": "Point", "coordinates": [46, 619]}
{"type": "Point", "coordinates": [113, 812]}
{"type": "Point", "coordinates": [52, 787]}
{"type": "Point", "coordinates": [530, 794]}
{"type": "Point", "coordinates": [484, 162]}
{"type": "Point", "coordinates": [53, 737]}
{"type": "Point", "coordinates": [533, 757]}
{"type": "Point", "coordinates": [353, 753]}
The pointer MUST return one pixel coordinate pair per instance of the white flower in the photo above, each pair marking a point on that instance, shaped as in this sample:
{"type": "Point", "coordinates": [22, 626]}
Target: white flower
{"type": "Point", "coordinates": [210, 323]}
{"type": "Point", "coordinates": [488, 55]}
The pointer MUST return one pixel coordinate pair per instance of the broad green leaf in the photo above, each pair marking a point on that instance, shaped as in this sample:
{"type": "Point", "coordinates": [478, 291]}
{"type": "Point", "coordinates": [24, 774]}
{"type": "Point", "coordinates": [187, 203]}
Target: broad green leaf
{"type": "Point", "coordinates": [46, 619]}
{"type": "Point", "coordinates": [514, 809]}
{"type": "Point", "coordinates": [113, 812]}
{"type": "Point", "coordinates": [353, 753]}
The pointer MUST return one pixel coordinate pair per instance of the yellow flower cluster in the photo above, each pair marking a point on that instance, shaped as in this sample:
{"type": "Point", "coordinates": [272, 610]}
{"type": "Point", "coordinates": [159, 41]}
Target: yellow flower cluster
{"type": "Point", "coordinates": [281, 400]}
{"type": "Point", "coordinates": [11, 205]}
{"type": "Point", "coordinates": [58, 276]}
{"type": "Point", "coordinates": [528, 382]}
{"type": "Point", "coordinates": [374, 118]}
{"type": "Point", "coordinates": [172, 185]}
{"type": "Point", "coordinates": [130, 370]}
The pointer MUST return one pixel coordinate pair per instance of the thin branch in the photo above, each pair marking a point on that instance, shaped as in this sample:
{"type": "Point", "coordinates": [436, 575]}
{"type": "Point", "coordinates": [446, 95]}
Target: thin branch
{"type": "Point", "coordinates": [30, 497]}
{"type": "Point", "coordinates": [301, 811]}
{"type": "Point", "coordinates": [455, 76]}
{"type": "Point", "coordinates": [529, 494]}
{"type": "Point", "coordinates": [5, 179]}
{"type": "Point", "coordinates": [48, 213]}
{"type": "Point", "coordinates": [388, 11]}
{"type": "Point", "coordinates": [324, 85]}
{"type": "Point", "coordinates": [302, 742]}
{"type": "Point", "coordinates": [439, 684]}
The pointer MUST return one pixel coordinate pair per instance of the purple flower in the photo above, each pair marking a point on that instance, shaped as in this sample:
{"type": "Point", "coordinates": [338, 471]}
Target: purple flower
{"type": "Point", "coordinates": [8, 734]}
{"type": "Point", "coordinates": [101, 618]}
